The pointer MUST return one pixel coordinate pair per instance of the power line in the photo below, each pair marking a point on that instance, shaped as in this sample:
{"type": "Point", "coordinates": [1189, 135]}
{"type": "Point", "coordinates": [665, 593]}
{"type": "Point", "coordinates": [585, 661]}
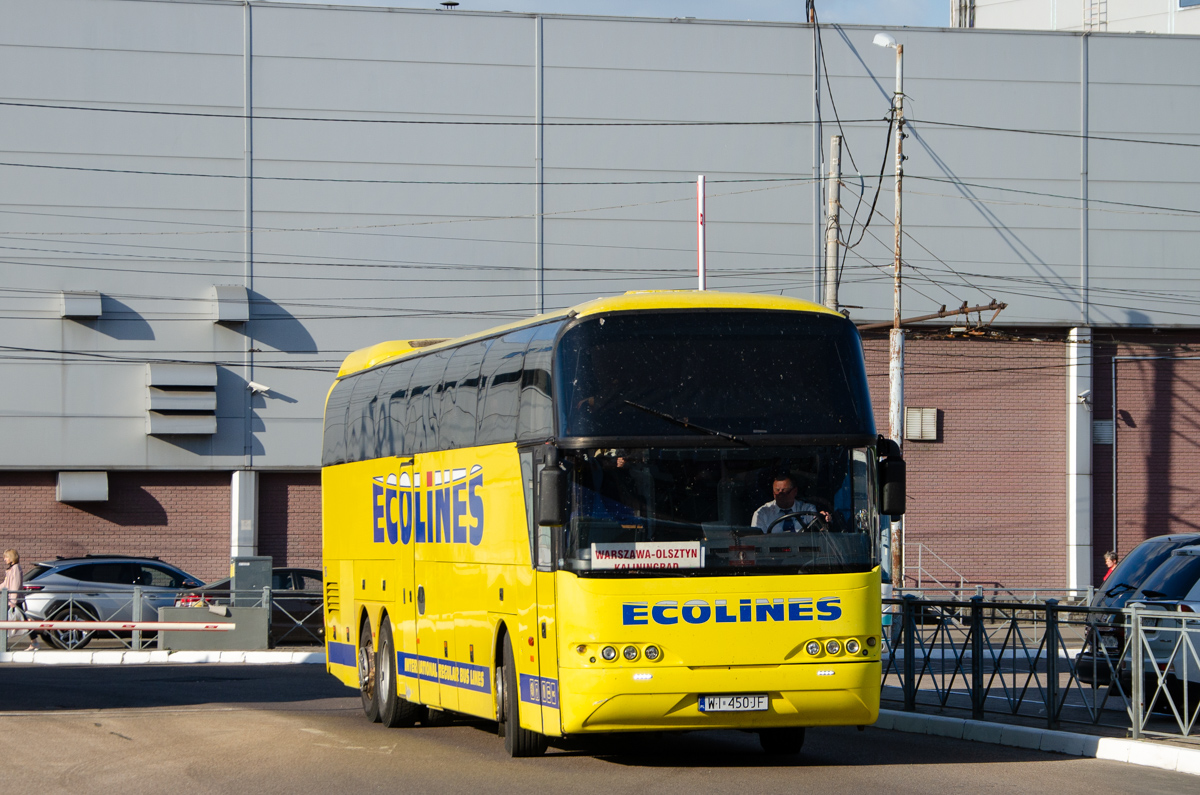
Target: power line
{"type": "Point", "coordinates": [517, 183]}
{"type": "Point", "coordinates": [1055, 134]}
{"type": "Point", "coordinates": [434, 122]}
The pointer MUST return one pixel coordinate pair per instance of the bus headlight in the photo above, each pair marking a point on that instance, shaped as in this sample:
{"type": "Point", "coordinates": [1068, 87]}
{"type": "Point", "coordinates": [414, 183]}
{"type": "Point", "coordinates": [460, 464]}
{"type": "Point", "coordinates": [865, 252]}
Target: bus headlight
{"type": "Point", "coordinates": [852, 646]}
{"type": "Point", "coordinates": [833, 647]}
{"type": "Point", "coordinates": [813, 648]}
{"type": "Point", "coordinates": [652, 653]}
{"type": "Point", "coordinates": [608, 653]}
{"type": "Point", "coordinates": [631, 653]}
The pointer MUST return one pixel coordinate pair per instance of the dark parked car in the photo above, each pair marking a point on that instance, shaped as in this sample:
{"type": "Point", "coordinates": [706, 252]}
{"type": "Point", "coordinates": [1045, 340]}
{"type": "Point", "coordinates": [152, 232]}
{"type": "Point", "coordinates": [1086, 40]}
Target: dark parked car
{"type": "Point", "coordinates": [1105, 642]}
{"type": "Point", "coordinates": [99, 588]}
{"type": "Point", "coordinates": [296, 601]}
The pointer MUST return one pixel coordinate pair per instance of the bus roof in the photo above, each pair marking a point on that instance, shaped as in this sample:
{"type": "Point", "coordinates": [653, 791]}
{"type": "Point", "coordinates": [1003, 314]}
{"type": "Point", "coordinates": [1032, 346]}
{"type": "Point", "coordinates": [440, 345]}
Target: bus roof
{"type": "Point", "coordinates": [634, 300]}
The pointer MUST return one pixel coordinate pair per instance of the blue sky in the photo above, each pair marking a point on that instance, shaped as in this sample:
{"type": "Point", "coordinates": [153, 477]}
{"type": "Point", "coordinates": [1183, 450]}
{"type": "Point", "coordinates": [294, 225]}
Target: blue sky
{"type": "Point", "coordinates": [924, 13]}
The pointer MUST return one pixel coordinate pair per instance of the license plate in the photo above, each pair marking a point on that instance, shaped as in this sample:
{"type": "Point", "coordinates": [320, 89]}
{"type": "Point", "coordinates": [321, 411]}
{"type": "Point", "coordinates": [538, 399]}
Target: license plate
{"type": "Point", "coordinates": [1109, 641]}
{"type": "Point", "coordinates": [743, 703]}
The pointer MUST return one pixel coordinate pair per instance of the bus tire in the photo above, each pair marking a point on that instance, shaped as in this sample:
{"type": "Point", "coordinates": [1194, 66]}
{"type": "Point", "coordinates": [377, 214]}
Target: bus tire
{"type": "Point", "coordinates": [366, 672]}
{"type": "Point", "coordinates": [394, 711]}
{"type": "Point", "coordinates": [780, 742]}
{"type": "Point", "coordinates": [517, 741]}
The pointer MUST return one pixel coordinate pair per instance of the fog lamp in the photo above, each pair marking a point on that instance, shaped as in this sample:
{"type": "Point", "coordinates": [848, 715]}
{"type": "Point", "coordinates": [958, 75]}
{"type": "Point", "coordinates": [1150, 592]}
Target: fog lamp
{"type": "Point", "coordinates": [813, 648]}
{"type": "Point", "coordinates": [871, 641]}
{"type": "Point", "coordinates": [833, 647]}
{"type": "Point", "coordinates": [608, 653]}
{"type": "Point", "coordinates": [630, 652]}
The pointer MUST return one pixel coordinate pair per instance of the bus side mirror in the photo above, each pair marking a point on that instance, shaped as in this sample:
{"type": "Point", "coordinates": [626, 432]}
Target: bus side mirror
{"type": "Point", "coordinates": [892, 487]}
{"type": "Point", "coordinates": [552, 497]}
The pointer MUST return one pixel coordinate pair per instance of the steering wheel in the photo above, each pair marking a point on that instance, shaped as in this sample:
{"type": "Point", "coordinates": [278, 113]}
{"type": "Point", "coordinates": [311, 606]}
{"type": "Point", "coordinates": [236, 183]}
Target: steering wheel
{"type": "Point", "coordinates": [817, 521]}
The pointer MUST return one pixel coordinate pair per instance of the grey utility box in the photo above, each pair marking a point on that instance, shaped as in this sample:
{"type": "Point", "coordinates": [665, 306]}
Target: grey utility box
{"type": "Point", "coordinates": [249, 574]}
{"type": "Point", "coordinates": [250, 634]}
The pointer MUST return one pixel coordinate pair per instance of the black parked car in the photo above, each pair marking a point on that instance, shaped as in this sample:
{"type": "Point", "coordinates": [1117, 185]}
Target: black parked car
{"type": "Point", "coordinates": [1104, 645]}
{"type": "Point", "coordinates": [297, 599]}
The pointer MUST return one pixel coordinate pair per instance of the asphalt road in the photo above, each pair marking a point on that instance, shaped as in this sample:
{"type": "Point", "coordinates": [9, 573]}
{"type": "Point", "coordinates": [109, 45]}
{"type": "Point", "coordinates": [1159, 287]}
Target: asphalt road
{"type": "Point", "coordinates": [293, 729]}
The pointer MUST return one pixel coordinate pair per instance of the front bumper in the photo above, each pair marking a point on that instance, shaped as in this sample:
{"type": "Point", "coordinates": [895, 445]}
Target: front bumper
{"type": "Point", "coordinates": [661, 697]}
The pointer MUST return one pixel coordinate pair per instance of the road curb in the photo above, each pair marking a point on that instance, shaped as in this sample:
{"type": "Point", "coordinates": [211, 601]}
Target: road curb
{"type": "Point", "coordinates": [161, 657]}
{"type": "Point", "coordinates": [1134, 752]}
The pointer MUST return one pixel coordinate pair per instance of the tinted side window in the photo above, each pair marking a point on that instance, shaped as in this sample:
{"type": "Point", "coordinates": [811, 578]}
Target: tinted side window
{"type": "Point", "coordinates": [537, 411]}
{"type": "Point", "coordinates": [111, 573]}
{"type": "Point", "coordinates": [502, 370]}
{"type": "Point", "coordinates": [158, 576]}
{"type": "Point", "coordinates": [281, 581]}
{"type": "Point", "coordinates": [394, 389]}
{"type": "Point", "coordinates": [361, 416]}
{"type": "Point", "coordinates": [1173, 579]}
{"type": "Point", "coordinates": [420, 433]}
{"type": "Point", "coordinates": [460, 392]}
{"type": "Point", "coordinates": [334, 446]}
{"type": "Point", "coordinates": [307, 582]}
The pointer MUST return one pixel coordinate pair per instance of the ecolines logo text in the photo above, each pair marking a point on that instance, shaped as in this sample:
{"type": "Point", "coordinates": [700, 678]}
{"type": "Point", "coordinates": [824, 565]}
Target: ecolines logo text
{"type": "Point", "coordinates": [699, 611]}
{"type": "Point", "coordinates": [442, 507]}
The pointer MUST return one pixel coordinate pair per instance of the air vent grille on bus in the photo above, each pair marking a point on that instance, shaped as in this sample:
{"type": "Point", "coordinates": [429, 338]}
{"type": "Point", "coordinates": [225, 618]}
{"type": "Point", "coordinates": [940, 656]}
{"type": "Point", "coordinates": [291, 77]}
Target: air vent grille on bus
{"type": "Point", "coordinates": [333, 597]}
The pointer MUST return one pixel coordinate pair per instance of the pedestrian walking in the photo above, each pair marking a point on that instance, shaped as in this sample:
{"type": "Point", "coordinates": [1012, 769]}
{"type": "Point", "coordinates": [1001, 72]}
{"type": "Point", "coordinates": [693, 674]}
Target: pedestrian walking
{"type": "Point", "coordinates": [13, 583]}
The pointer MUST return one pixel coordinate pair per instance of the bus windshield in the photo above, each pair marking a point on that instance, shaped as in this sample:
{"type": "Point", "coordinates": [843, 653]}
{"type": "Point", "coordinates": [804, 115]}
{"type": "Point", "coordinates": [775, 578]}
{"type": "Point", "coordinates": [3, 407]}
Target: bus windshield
{"type": "Point", "coordinates": [705, 511]}
{"type": "Point", "coordinates": [740, 373]}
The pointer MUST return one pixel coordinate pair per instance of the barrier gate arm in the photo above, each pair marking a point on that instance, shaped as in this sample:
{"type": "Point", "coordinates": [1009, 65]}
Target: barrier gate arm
{"type": "Point", "coordinates": [145, 626]}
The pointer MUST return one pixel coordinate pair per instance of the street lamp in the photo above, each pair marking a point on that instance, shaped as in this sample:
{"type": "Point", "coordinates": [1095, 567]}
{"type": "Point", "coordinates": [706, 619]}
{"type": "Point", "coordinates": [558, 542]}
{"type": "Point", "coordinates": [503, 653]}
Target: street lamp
{"type": "Point", "coordinates": [896, 336]}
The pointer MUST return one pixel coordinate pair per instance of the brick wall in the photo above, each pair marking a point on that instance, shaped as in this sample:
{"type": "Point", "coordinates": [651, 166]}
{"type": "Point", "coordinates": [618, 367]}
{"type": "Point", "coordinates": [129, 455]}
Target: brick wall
{"type": "Point", "coordinates": [289, 518]}
{"type": "Point", "coordinates": [1157, 436]}
{"type": "Point", "coordinates": [180, 517]}
{"type": "Point", "coordinates": [990, 495]}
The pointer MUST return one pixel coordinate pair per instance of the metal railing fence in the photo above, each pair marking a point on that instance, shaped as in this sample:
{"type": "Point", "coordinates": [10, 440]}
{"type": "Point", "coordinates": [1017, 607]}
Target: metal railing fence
{"type": "Point", "coordinates": [296, 616]}
{"type": "Point", "coordinates": [1051, 662]}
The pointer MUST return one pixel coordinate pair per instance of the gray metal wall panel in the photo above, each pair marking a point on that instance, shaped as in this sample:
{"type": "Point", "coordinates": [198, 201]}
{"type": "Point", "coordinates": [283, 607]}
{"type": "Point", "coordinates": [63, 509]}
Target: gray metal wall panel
{"type": "Point", "coordinates": [339, 265]}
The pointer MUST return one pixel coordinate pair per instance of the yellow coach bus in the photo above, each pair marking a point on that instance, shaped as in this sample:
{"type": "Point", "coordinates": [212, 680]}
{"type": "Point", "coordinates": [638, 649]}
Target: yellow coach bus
{"type": "Point", "coordinates": [658, 511]}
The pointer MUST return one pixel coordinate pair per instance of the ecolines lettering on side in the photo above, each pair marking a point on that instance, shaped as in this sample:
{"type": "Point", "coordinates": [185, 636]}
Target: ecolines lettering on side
{"type": "Point", "coordinates": [699, 611]}
{"type": "Point", "coordinates": [443, 507]}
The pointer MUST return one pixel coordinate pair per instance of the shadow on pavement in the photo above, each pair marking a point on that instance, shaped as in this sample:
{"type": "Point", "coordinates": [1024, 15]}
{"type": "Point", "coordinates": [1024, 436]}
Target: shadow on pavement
{"type": "Point", "coordinates": [32, 688]}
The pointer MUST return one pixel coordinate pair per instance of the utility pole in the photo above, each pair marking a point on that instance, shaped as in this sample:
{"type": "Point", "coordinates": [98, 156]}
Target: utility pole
{"type": "Point", "coordinates": [831, 224]}
{"type": "Point", "coordinates": [896, 336]}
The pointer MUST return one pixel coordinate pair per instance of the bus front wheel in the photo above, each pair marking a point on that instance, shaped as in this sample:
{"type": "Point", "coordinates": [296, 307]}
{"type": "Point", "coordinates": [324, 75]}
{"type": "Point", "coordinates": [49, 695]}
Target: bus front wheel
{"type": "Point", "coordinates": [366, 672]}
{"type": "Point", "coordinates": [779, 742]}
{"type": "Point", "coordinates": [517, 741]}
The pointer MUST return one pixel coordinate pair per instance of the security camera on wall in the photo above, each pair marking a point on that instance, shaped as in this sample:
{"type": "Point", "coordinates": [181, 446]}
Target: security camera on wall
{"type": "Point", "coordinates": [258, 388]}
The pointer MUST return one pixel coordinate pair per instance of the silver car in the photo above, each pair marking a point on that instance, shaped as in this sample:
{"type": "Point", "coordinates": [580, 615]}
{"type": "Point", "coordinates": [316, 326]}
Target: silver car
{"type": "Point", "coordinates": [99, 588]}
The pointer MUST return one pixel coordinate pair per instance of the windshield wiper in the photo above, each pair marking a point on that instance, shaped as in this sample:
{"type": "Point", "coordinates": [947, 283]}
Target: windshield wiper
{"type": "Point", "coordinates": [1154, 594]}
{"type": "Point", "coordinates": [1123, 586]}
{"type": "Point", "coordinates": [691, 426]}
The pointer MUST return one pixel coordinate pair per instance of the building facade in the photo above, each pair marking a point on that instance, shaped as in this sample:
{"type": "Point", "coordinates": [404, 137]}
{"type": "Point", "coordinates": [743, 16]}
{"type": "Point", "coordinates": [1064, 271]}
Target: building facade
{"type": "Point", "coordinates": [207, 204]}
{"type": "Point", "coordinates": [1094, 16]}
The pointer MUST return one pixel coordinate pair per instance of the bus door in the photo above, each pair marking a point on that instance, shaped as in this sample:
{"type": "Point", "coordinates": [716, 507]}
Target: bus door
{"type": "Point", "coordinates": [400, 516]}
{"type": "Point", "coordinates": [435, 587]}
{"type": "Point", "coordinates": [546, 550]}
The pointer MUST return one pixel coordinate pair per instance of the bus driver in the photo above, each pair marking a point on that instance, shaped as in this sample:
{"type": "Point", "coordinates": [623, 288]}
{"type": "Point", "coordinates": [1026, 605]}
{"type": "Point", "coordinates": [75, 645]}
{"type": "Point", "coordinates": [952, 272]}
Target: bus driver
{"type": "Point", "coordinates": [785, 503]}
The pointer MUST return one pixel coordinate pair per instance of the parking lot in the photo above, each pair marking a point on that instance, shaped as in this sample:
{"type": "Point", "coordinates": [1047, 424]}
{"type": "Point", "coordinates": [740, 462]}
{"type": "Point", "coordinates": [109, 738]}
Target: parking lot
{"type": "Point", "coordinates": [293, 729]}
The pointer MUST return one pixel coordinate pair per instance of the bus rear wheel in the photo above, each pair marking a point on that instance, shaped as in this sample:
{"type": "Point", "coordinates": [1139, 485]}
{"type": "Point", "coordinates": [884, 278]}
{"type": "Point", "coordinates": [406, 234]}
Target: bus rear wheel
{"type": "Point", "coordinates": [780, 742]}
{"type": "Point", "coordinates": [394, 711]}
{"type": "Point", "coordinates": [366, 672]}
{"type": "Point", "coordinates": [517, 741]}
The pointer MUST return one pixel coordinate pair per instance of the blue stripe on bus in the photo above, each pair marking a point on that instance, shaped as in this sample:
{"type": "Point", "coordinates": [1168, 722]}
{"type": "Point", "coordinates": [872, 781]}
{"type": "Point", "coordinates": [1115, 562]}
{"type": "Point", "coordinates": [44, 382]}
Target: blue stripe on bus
{"type": "Point", "coordinates": [342, 654]}
{"type": "Point", "coordinates": [453, 674]}
{"type": "Point", "coordinates": [538, 690]}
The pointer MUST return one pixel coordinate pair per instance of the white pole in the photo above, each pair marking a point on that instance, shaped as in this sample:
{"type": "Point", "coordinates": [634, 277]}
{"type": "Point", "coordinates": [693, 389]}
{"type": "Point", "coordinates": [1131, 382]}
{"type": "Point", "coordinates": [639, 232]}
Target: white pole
{"type": "Point", "coordinates": [701, 271]}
